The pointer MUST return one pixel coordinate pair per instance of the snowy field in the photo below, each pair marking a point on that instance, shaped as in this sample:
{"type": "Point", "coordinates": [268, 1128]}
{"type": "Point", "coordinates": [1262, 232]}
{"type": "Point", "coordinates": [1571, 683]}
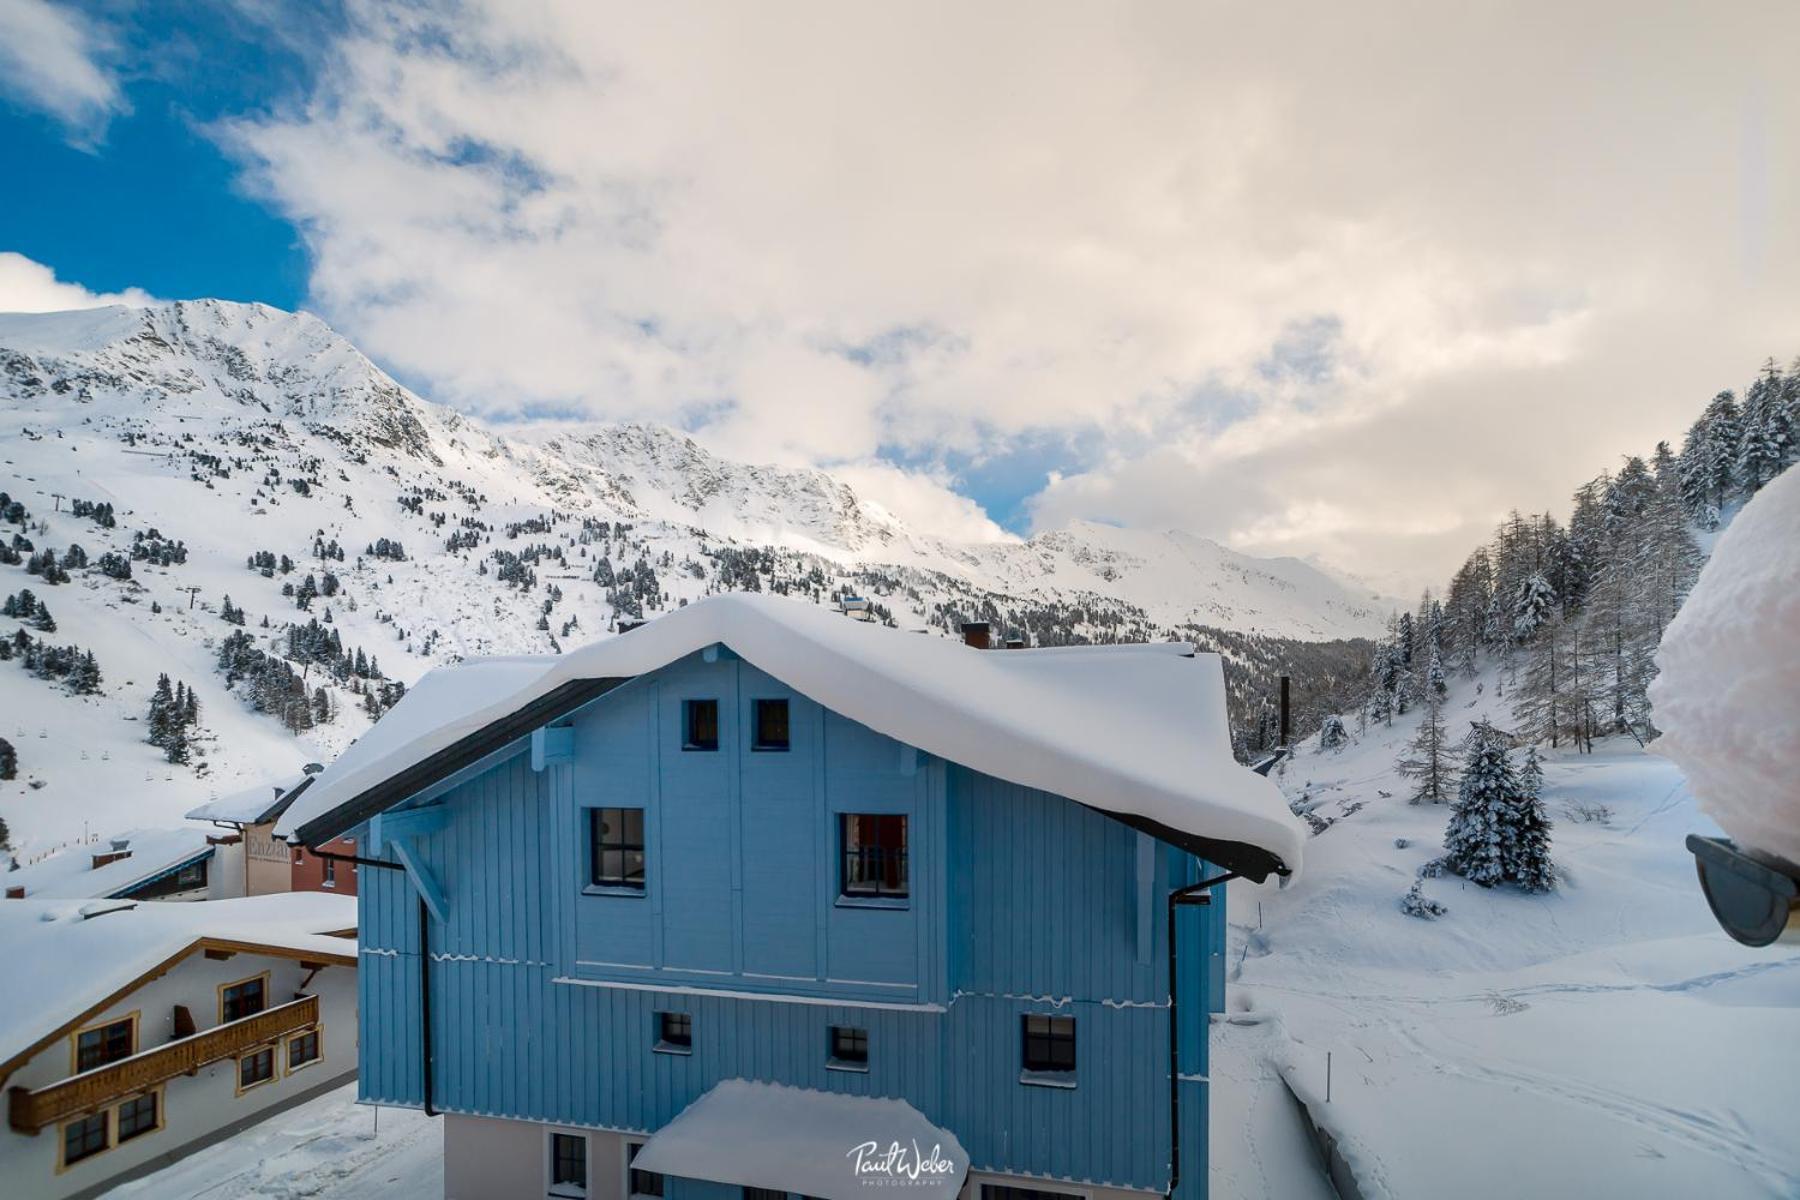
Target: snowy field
{"type": "Point", "coordinates": [329, 1147]}
{"type": "Point", "coordinates": [1605, 1039]}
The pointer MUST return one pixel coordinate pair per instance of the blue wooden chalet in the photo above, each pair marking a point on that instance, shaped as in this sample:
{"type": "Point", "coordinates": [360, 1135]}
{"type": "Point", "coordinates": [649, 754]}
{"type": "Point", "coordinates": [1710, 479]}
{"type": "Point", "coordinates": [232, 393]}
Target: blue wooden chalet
{"type": "Point", "coordinates": [759, 900]}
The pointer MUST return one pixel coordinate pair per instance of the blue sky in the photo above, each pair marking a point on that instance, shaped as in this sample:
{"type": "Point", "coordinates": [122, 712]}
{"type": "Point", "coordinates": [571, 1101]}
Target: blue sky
{"type": "Point", "coordinates": [151, 201]}
{"type": "Point", "coordinates": [1197, 269]}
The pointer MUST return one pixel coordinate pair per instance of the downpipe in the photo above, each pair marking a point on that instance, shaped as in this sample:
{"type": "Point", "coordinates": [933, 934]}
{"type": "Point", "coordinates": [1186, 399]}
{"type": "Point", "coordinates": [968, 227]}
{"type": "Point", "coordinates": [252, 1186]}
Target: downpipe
{"type": "Point", "coordinates": [1193, 893]}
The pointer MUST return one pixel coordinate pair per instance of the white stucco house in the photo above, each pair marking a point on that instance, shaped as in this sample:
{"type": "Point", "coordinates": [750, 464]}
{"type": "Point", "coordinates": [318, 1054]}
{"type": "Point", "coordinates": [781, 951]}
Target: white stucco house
{"type": "Point", "coordinates": [135, 1032]}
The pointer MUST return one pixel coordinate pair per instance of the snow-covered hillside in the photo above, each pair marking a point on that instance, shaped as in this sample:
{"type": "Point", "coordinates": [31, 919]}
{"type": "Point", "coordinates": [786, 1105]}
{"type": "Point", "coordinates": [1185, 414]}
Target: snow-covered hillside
{"type": "Point", "coordinates": [1601, 1039]}
{"type": "Point", "coordinates": [187, 438]}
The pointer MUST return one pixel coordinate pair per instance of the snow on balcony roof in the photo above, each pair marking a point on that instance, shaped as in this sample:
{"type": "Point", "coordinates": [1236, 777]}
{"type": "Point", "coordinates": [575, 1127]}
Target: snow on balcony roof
{"type": "Point", "coordinates": [805, 1142]}
{"type": "Point", "coordinates": [71, 873]}
{"type": "Point", "coordinates": [63, 957]}
{"type": "Point", "coordinates": [1139, 730]}
{"type": "Point", "coordinates": [251, 806]}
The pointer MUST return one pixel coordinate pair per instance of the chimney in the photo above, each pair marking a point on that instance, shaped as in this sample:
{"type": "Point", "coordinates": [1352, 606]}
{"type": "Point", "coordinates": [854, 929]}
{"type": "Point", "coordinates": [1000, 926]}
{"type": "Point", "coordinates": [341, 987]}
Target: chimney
{"type": "Point", "coordinates": [1286, 726]}
{"type": "Point", "coordinates": [977, 634]}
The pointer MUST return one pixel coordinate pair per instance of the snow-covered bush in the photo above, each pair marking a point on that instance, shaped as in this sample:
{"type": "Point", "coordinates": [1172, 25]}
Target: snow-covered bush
{"type": "Point", "coordinates": [1332, 734]}
{"type": "Point", "coordinates": [1417, 904]}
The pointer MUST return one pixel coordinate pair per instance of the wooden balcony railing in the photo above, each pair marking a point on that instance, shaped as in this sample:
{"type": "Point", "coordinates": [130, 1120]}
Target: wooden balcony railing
{"type": "Point", "coordinates": [30, 1111]}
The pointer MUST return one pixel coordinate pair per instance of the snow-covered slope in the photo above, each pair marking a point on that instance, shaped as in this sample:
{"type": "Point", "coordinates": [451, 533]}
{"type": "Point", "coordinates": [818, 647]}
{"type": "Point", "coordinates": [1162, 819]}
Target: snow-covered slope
{"type": "Point", "coordinates": [1603, 1039]}
{"type": "Point", "coordinates": [239, 429]}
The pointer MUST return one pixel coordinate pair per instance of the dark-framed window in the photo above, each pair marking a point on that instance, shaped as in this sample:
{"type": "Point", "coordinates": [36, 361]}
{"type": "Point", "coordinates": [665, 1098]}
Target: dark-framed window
{"type": "Point", "coordinates": [617, 855]}
{"type": "Point", "coordinates": [641, 1183]}
{"type": "Point", "coordinates": [302, 1048]}
{"type": "Point", "coordinates": [568, 1163]}
{"type": "Point", "coordinates": [191, 876]}
{"type": "Point", "coordinates": [137, 1116]}
{"type": "Point", "coordinates": [1049, 1043]}
{"type": "Point", "coordinates": [873, 849]}
{"type": "Point", "coordinates": [84, 1138]}
{"type": "Point", "coordinates": [700, 725]}
{"type": "Point", "coordinates": [751, 1193]}
{"type": "Point", "coordinates": [256, 1067]}
{"type": "Point", "coordinates": [107, 1044]}
{"type": "Point", "coordinates": [771, 725]}
{"type": "Point", "coordinates": [330, 876]}
{"type": "Point", "coordinates": [850, 1044]}
{"type": "Point", "coordinates": [675, 1029]}
{"type": "Point", "coordinates": [241, 1000]}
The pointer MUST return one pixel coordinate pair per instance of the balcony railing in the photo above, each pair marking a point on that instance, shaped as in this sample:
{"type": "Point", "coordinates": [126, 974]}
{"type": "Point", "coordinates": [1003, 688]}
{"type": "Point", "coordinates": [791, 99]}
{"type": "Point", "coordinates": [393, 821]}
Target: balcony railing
{"type": "Point", "coordinates": [30, 1111]}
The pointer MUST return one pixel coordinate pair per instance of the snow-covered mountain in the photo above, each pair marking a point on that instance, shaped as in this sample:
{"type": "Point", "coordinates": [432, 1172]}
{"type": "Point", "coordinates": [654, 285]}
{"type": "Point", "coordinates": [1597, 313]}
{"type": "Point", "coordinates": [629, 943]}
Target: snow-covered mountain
{"type": "Point", "coordinates": [237, 430]}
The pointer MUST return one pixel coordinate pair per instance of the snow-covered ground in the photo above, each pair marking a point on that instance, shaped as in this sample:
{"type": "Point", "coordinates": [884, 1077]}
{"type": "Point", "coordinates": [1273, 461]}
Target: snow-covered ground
{"type": "Point", "coordinates": [330, 1147]}
{"type": "Point", "coordinates": [1604, 1039]}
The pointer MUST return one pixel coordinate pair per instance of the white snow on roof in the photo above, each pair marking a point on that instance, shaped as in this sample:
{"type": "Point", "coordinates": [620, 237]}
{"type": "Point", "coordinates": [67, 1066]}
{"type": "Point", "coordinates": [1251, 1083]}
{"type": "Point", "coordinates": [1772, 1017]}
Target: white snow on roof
{"type": "Point", "coordinates": [59, 962]}
{"type": "Point", "coordinates": [250, 806]}
{"type": "Point", "coordinates": [807, 1142]}
{"type": "Point", "coordinates": [71, 873]}
{"type": "Point", "coordinates": [1727, 695]}
{"type": "Point", "coordinates": [1138, 730]}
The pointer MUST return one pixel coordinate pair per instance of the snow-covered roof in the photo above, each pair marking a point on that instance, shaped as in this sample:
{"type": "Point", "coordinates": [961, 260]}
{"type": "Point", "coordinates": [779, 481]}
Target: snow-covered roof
{"type": "Point", "coordinates": [806, 1142]}
{"type": "Point", "coordinates": [63, 957]}
{"type": "Point", "coordinates": [1140, 731]}
{"type": "Point", "coordinates": [71, 873]}
{"type": "Point", "coordinates": [251, 806]}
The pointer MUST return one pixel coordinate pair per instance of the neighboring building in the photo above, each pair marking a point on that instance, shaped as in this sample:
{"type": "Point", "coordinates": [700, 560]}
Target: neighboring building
{"type": "Point", "coordinates": [133, 1033]}
{"type": "Point", "coordinates": [263, 863]}
{"type": "Point", "coordinates": [140, 864]}
{"type": "Point", "coordinates": [709, 905]}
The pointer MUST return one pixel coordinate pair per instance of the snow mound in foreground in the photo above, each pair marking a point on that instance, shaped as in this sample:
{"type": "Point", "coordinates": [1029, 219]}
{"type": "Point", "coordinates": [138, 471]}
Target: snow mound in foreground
{"type": "Point", "coordinates": [1728, 695]}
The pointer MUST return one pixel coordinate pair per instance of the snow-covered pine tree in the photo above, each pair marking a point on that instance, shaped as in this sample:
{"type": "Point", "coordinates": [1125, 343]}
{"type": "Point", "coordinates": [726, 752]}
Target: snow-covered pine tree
{"type": "Point", "coordinates": [9, 760]}
{"type": "Point", "coordinates": [1527, 847]}
{"type": "Point", "coordinates": [1332, 734]}
{"type": "Point", "coordinates": [1475, 841]}
{"type": "Point", "coordinates": [1763, 441]}
{"type": "Point", "coordinates": [1430, 759]}
{"type": "Point", "coordinates": [161, 720]}
{"type": "Point", "coordinates": [1536, 604]}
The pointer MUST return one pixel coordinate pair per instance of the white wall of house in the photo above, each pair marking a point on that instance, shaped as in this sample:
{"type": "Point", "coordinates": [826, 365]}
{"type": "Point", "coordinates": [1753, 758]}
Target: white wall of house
{"type": "Point", "coordinates": [192, 1107]}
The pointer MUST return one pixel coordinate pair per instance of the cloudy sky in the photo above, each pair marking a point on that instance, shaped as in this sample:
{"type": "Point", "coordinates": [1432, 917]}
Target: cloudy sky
{"type": "Point", "coordinates": [1346, 280]}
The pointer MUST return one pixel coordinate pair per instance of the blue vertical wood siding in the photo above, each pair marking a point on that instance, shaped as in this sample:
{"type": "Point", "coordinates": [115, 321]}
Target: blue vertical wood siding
{"type": "Point", "coordinates": [545, 994]}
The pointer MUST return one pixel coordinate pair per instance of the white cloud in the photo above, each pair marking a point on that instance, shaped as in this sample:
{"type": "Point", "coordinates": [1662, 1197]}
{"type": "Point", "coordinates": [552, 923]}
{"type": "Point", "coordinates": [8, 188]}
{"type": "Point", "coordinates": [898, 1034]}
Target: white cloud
{"type": "Point", "coordinates": [49, 60]}
{"type": "Point", "coordinates": [821, 232]}
{"type": "Point", "coordinates": [28, 286]}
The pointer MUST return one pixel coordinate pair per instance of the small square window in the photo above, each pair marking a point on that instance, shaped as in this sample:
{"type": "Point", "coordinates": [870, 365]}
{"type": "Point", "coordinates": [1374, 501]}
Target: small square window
{"type": "Point", "coordinates": [771, 725]}
{"type": "Point", "coordinates": [256, 1068]}
{"type": "Point", "coordinates": [700, 725]}
{"type": "Point", "coordinates": [849, 1045]}
{"type": "Point", "coordinates": [1049, 1044]}
{"type": "Point", "coordinates": [568, 1164]}
{"type": "Point", "coordinates": [84, 1138]}
{"type": "Point", "coordinates": [617, 847]}
{"type": "Point", "coordinates": [137, 1116]}
{"type": "Point", "coordinates": [107, 1044]}
{"type": "Point", "coordinates": [674, 1031]}
{"type": "Point", "coordinates": [302, 1048]}
{"type": "Point", "coordinates": [242, 1000]}
{"type": "Point", "coordinates": [874, 855]}
{"type": "Point", "coordinates": [641, 1183]}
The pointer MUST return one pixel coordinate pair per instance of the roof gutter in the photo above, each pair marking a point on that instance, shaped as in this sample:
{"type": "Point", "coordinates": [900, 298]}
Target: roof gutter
{"type": "Point", "coordinates": [464, 752]}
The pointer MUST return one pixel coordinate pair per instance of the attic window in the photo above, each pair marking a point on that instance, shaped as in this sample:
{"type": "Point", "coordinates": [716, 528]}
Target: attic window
{"type": "Point", "coordinates": [771, 725]}
{"type": "Point", "coordinates": [105, 1044]}
{"type": "Point", "coordinates": [700, 725]}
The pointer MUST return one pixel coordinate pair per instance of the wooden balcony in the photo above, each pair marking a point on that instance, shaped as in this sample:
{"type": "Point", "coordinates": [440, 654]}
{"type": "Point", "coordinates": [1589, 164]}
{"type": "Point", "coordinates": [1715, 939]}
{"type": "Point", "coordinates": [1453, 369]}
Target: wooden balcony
{"type": "Point", "coordinates": [30, 1111]}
